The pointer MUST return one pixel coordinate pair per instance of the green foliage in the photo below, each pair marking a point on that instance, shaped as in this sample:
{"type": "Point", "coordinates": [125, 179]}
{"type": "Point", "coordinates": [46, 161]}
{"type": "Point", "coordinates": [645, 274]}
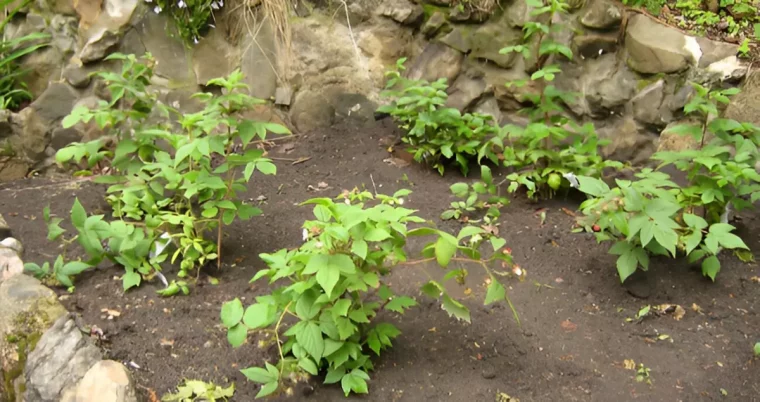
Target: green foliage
{"type": "Point", "coordinates": [737, 14]}
{"type": "Point", "coordinates": [191, 17]}
{"type": "Point", "coordinates": [437, 134]}
{"type": "Point", "coordinates": [12, 90]}
{"type": "Point", "coordinates": [169, 186]}
{"type": "Point", "coordinates": [481, 195]}
{"type": "Point", "coordinates": [335, 289]}
{"type": "Point", "coordinates": [757, 349]}
{"type": "Point", "coordinates": [194, 390]}
{"type": "Point", "coordinates": [550, 146]}
{"type": "Point", "coordinates": [655, 215]}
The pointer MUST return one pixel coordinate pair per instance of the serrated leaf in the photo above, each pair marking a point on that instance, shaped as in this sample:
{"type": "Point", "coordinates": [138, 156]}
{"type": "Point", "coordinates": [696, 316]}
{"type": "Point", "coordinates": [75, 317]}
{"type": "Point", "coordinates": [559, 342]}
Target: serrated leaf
{"type": "Point", "coordinates": [495, 292]}
{"type": "Point", "coordinates": [130, 280]}
{"type": "Point", "coordinates": [359, 248]}
{"type": "Point", "coordinates": [258, 375]}
{"type": "Point", "coordinates": [400, 304]}
{"type": "Point", "coordinates": [340, 308]}
{"type": "Point", "coordinates": [711, 267]}
{"type": "Point", "coordinates": [310, 338]}
{"type": "Point", "coordinates": [445, 249]}
{"type": "Point", "coordinates": [309, 366]}
{"type": "Point", "coordinates": [455, 308]}
{"type": "Point", "coordinates": [626, 265]}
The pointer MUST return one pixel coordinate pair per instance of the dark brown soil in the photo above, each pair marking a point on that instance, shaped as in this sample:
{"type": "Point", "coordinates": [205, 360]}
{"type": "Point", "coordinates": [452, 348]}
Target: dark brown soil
{"type": "Point", "coordinates": [571, 346]}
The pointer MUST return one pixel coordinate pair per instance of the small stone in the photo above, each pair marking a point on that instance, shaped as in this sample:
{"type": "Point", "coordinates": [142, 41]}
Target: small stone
{"type": "Point", "coordinates": [5, 228]}
{"type": "Point", "coordinates": [106, 381]}
{"type": "Point", "coordinates": [283, 96]}
{"type": "Point", "coordinates": [61, 358]}
{"type": "Point", "coordinates": [433, 24]}
{"type": "Point", "coordinates": [10, 263]}
{"type": "Point", "coordinates": [602, 15]}
{"type": "Point", "coordinates": [12, 244]}
{"type": "Point", "coordinates": [489, 373]}
{"type": "Point", "coordinates": [62, 137]}
{"type": "Point", "coordinates": [402, 11]}
{"type": "Point", "coordinates": [638, 285]}
{"type": "Point", "coordinates": [76, 76]}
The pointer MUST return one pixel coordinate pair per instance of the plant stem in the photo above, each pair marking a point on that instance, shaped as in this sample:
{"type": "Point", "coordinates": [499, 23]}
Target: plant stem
{"type": "Point", "coordinates": [277, 334]}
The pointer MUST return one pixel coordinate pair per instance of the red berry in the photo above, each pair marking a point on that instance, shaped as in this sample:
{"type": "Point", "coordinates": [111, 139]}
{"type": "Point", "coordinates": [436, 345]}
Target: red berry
{"type": "Point", "coordinates": [596, 228]}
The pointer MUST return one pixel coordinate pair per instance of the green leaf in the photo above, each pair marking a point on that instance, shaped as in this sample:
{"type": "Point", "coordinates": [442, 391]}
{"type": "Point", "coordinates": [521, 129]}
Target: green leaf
{"type": "Point", "coordinates": [497, 243]}
{"type": "Point", "coordinates": [340, 307]}
{"type": "Point", "coordinates": [78, 215]}
{"type": "Point", "coordinates": [711, 267]}
{"type": "Point", "coordinates": [259, 375]}
{"type": "Point", "coordinates": [377, 234]}
{"type": "Point", "coordinates": [74, 268]}
{"type": "Point", "coordinates": [358, 316]}
{"type": "Point", "coordinates": [757, 349]}
{"type": "Point", "coordinates": [267, 389]}
{"type": "Point", "coordinates": [626, 265]}
{"type": "Point", "coordinates": [232, 312]}
{"type": "Point", "coordinates": [352, 382]}
{"type": "Point", "coordinates": [469, 231]}
{"type": "Point", "coordinates": [322, 213]}
{"type": "Point", "coordinates": [266, 167]}
{"type": "Point", "coordinates": [693, 240]}
{"type": "Point", "coordinates": [592, 186]}
{"type": "Point", "coordinates": [455, 308]}
{"type": "Point", "coordinates": [445, 249]}
{"type": "Point", "coordinates": [310, 338]}
{"type": "Point", "coordinates": [130, 280]}
{"type": "Point", "coordinates": [359, 248]}
{"type": "Point", "coordinates": [309, 366]}
{"type": "Point", "coordinates": [460, 189]}
{"type": "Point", "coordinates": [694, 221]}
{"type": "Point", "coordinates": [258, 315]}
{"type": "Point", "coordinates": [495, 292]}
{"type": "Point", "coordinates": [306, 308]}
{"type": "Point", "coordinates": [328, 276]}
{"type": "Point", "coordinates": [400, 303]}
{"type": "Point", "coordinates": [334, 375]}
{"type": "Point", "coordinates": [666, 237]}
{"type": "Point", "coordinates": [237, 335]}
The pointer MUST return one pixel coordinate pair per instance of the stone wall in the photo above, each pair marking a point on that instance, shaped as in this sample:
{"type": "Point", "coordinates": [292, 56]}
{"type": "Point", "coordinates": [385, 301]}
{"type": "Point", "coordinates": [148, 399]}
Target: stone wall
{"type": "Point", "coordinates": [631, 85]}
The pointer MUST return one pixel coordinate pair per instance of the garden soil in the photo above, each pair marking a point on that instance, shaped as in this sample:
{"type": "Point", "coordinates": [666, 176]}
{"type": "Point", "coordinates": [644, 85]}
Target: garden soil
{"type": "Point", "coordinates": [573, 342]}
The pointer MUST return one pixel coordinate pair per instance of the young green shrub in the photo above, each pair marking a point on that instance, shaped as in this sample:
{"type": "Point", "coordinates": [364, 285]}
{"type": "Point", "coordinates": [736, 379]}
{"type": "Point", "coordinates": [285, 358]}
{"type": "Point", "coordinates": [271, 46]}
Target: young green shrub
{"type": "Point", "coordinates": [13, 90]}
{"type": "Point", "coordinates": [170, 185]}
{"type": "Point", "coordinates": [192, 18]}
{"type": "Point", "coordinates": [655, 215]}
{"type": "Point", "coordinates": [323, 319]}
{"type": "Point", "coordinates": [551, 146]}
{"type": "Point", "coordinates": [437, 134]}
{"type": "Point", "coordinates": [481, 195]}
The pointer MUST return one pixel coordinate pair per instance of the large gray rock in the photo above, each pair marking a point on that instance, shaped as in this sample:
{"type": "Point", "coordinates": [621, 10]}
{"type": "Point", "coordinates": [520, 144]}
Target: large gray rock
{"type": "Point", "coordinates": [713, 51]}
{"type": "Point", "coordinates": [10, 256]}
{"type": "Point", "coordinates": [459, 38]}
{"type": "Point", "coordinates": [33, 132]}
{"type": "Point", "coordinates": [654, 48]}
{"type": "Point", "coordinates": [647, 104]}
{"type": "Point", "coordinates": [43, 66]}
{"type": "Point", "coordinates": [106, 381]}
{"type": "Point", "coordinates": [604, 85]}
{"type": "Point", "coordinates": [55, 103]}
{"type": "Point", "coordinates": [745, 107]}
{"type": "Point", "coordinates": [259, 61]}
{"type": "Point", "coordinates": [487, 41]}
{"type": "Point", "coordinates": [602, 14]}
{"type": "Point", "coordinates": [5, 228]}
{"type": "Point", "coordinates": [465, 90]}
{"type": "Point", "coordinates": [311, 110]}
{"type": "Point", "coordinates": [434, 24]}
{"type": "Point", "coordinates": [592, 46]}
{"type": "Point", "coordinates": [106, 30]}
{"type": "Point", "coordinates": [214, 57]}
{"type": "Point", "coordinates": [628, 141]}
{"type": "Point", "coordinates": [402, 11]}
{"type": "Point", "coordinates": [28, 310]}
{"type": "Point", "coordinates": [436, 61]}
{"type": "Point", "coordinates": [61, 358]}
{"type": "Point", "coordinates": [172, 56]}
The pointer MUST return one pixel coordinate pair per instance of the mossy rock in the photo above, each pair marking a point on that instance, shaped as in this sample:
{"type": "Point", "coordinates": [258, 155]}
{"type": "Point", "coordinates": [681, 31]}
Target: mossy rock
{"type": "Point", "coordinates": [29, 309]}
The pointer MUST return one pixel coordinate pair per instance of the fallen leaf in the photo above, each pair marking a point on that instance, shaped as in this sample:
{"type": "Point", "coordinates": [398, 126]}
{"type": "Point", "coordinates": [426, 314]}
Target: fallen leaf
{"type": "Point", "coordinates": [558, 280]}
{"type": "Point", "coordinates": [629, 364]}
{"type": "Point", "coordinates": [719, 364]}
{"type": "Point", "coordinates": [111, 313]}
{"type": "Point", "coordinates": [492, 229]}
{"type": "Point", "coordinates": [755, 279]}
{"type": "Point", "coordinates": [432, 329]}
{"type": "Point", "coordinates": [568, 326]}
{"type": "Point", "coordinates": [166, 342]}
{"type": "Point", "coordinates": [679, 313]}
{"type": "Point", "coordinates": [397, 162]}
{"type": "Point", "coordinates": [301, 160]}
{"type": "Point", "coordinates": [322, 185]}
{"type": "Point", "coordinates": [568, 212]}
{"type": "Point", "coordinates": [696, 308]}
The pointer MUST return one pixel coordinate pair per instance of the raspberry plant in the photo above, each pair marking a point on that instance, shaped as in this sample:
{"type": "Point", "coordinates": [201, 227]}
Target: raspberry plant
{"type": "Point", "coordinates": [168, 183]}
{"type": "Point", "coordinates": [655, 215]}
{"type": "Point", "coordinates": [550, 146]}
{"type": "Point", "coordinates": [324, 318]}
{"type": "Point", "coordinates": [437, 134]}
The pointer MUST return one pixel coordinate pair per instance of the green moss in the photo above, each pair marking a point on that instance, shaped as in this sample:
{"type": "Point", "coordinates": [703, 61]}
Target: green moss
{"type": "Point", "coordinates": [645, 82]}
{"type": "Point", "coordinates": [28, 329]}
{"type": "Point", "coordinates": [430, 9]}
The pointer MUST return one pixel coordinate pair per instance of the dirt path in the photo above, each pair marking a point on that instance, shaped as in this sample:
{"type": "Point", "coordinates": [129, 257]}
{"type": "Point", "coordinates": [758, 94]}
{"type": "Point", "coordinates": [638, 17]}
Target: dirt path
{"type": "Point", "coordinates": [571, 346]}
